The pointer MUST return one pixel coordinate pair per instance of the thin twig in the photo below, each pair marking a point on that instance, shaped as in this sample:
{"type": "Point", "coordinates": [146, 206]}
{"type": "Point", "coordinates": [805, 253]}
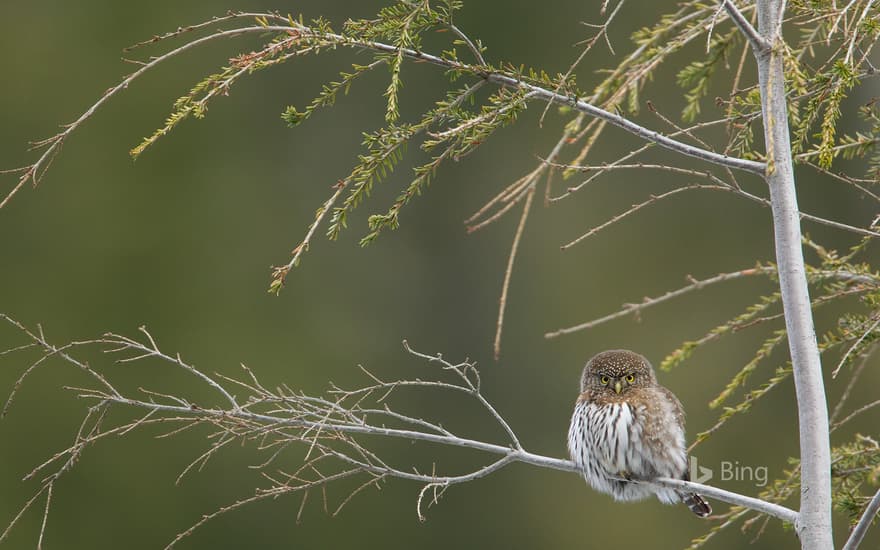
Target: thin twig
{"type": "Point", "coordinates": [478, 55]}
{"type": "Point", "coordinates": [45, 515]}
{"type": "Point", "coordinates": [635, 208]}
{"type": "Point", "coordinates": [35, 171]}
{"type": "Point", "coordinates": [602, 33]}
{"type": "Point", "coordinates": [623, 159]}
{"type": "Point", "coordinates": [850, 385]}
{"type": "Point", "coordinates": [855, 413]}
{"type": "Point", "coordinates": [153, 351]}
{"type": "Point", "coordinates": [508, 273]}
{"type": "Point", "coordinates": [854, 346]}
{"type": "Point", "coordinates": [648, 302]}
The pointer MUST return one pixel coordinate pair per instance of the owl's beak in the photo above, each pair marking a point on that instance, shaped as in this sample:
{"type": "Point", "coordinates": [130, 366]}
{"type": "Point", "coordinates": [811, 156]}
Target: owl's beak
{"type": "Point", "coordinates": [618, 385]}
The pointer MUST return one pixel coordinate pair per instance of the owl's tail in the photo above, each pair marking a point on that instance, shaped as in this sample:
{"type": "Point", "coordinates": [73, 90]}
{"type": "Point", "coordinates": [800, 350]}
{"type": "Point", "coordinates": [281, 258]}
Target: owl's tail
{"type": "Point", "coordinates": [696, 503]}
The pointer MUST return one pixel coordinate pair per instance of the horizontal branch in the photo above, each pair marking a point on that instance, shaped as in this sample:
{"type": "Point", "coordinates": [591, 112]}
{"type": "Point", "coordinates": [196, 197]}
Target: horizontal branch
{"type": "Point", "coordinates": [650, 135]}
{"type": "Point", "coordinates": [510, 454]}
{"type": "Point", "coordinates": [272, 420]}
{"type": "Point", "coordinates": [805, 216]}
{"type": "Point", "coordinates": [538, 92]}
{"type": "Point", "coordinates": [323, 424]}
{"type": "Point", "coordinates": [781, 512]}
{"type": "Point", "coordinates": [720, 185]}
{"type": "Point", "coordinates": [35, 171]}
{"type": "Point", "coordinates": [736, 499]}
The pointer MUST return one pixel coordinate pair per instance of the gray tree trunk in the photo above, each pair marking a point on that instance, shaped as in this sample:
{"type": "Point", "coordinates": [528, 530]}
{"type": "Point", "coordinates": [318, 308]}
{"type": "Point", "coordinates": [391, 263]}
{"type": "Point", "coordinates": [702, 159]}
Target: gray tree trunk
{"type": "Point", "coordinates": [814, 518]}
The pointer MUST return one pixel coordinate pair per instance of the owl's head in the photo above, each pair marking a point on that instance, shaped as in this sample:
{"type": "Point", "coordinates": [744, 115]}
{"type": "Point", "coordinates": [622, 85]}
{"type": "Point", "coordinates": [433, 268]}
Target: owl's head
{"type": "Point", "coordinates": [616, 371]}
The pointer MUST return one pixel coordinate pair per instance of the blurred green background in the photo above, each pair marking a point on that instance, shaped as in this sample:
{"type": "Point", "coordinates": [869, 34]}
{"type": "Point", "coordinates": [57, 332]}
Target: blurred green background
{"type": "Point", "coordinates": [181, 241]}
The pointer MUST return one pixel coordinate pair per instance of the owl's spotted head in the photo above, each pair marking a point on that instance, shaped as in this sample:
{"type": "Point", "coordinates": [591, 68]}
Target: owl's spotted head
{"type": "Point", "coordinates": [616, 371]}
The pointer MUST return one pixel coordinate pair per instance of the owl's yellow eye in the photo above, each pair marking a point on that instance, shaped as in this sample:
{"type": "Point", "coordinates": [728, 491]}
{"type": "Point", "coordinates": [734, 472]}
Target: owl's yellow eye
{"type": "Point", "coordinates": [630, 378]}
{"type": "Point", "coordinates": [604, 380]}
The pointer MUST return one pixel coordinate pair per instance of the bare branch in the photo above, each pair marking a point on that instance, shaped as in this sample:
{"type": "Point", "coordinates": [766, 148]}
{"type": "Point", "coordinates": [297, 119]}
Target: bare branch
{"type": "Point", "coordinates": [602, 33]}
{"type": "Point", "coordinates": [39, 341]}
{"type": "Point", "coordinates": [785, 514]}
{"type": "Point", "coordinates": [510, 455]}
{"type": "Point", "coordinates": [45, 516]}
{"type": "Point", "coordinates": [636, 308]}
{"type": "Point", "coordinates": [508, 273]}
{"type": "Point", "coordinates": [855, 413]}
{"type": "Point", "coordinates": [21, 512]}
{"type": "Point", "coordinates": [851, 383]}
{"type": "Point", "coordinates": [331, 427]}
{"type": "Point", "coordinates": [523, 188]}
{"type": "Point", "coordinates": [463, 369]}
{"type": "Point", "coordinates": [858, 534]}
{"type": "Point", "coordinates": [478, 55]}
{"type": "Point", "coordinates": [635, 208]}
{"type": "Point", "coordinates": [758, 43]}
{"type": "Point", "coordinates": [153, 351]}
{"type": "Point", "coordinates": [648, 302]}
{"type": "Point", "coordinates": [632, 154]}
{"type": "Point", "coordinates": [721, 186]}
{"type": "Point", "coordinates": [841, 15]}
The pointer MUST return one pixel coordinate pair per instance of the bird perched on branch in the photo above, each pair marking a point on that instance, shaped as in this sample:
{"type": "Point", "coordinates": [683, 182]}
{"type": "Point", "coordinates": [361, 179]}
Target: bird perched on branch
{"type": "Point", "coordinates": [628, 428]}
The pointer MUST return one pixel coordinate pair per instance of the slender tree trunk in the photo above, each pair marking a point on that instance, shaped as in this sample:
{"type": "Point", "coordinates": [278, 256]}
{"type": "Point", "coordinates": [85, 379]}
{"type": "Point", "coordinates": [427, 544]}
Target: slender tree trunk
{"type": "Point", "coordinates": [814, 518]}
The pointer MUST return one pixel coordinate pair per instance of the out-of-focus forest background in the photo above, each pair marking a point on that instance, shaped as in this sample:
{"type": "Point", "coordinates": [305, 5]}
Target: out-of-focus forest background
{"type": "Point", "coordinates": [181, 241]}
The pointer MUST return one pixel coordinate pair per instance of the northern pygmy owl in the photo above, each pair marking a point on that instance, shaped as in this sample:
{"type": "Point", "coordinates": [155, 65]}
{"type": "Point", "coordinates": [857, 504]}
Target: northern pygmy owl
{"type": "Point", "coordinates": [626, 427]}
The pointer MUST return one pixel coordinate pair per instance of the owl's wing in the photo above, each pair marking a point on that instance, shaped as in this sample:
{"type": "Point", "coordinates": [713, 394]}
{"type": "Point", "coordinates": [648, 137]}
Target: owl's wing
{"type": "Point", "coordinates": [676, 404]}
